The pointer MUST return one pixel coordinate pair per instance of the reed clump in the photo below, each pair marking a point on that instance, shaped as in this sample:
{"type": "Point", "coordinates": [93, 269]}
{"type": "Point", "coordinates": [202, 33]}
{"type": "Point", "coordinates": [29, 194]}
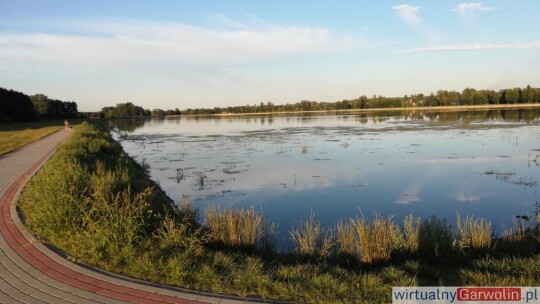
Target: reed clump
{"type": "Point", "coordinates": [238, 227]}
{"type": "Point", "coordinates": [310, 239]}
{"type": "Point", "coordinates": [370, 241]}
{"type": "Point", "coordinates": [474, 233]}
{"type": "Point", "coordinates": [516, 233]}
{"type": "Point", "coordinates": [377, 238]}
{"type": "Point", "coordinates": [347, 239]}
{"type": "Point", "coordinates": [411, 233]}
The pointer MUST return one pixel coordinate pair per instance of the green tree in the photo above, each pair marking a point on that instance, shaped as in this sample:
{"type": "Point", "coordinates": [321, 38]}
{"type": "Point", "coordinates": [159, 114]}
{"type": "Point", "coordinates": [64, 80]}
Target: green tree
{"type": "Point", "coordinates": [527, 95]}
{"type": "Point", "coordinates": [510, 96]}
{"type": "Point", "coordinates": [16, 107]}
{"type": "Point", "coordinates": [468, 96]}
{"type": "Point", "coordinates": [41, 104]}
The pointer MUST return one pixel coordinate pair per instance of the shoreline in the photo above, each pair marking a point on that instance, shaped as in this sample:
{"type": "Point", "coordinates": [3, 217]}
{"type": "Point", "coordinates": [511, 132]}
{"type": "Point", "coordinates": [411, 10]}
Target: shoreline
{"type": "Point", "coordinates": [373, 110]}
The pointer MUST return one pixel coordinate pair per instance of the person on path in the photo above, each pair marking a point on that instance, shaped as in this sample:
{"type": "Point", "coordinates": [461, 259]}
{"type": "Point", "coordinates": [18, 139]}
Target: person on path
{"type": "Point", "coordinates": [66, 124]}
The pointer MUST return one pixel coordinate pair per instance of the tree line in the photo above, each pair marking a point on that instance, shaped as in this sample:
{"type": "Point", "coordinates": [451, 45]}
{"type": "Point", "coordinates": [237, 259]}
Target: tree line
{"type": "Point", "coordinates": [128, 109]}
{"type": "Point", "coordinates": [19, 107]}
{"type": "Point", "coordinates": [468, 96]}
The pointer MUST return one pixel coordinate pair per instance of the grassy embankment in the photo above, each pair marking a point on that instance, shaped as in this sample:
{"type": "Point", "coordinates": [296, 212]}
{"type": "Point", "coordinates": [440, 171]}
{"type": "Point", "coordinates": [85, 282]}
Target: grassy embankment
{"type": "Point", "coordinates": [14, 136]}
{"type": "Point", "coordinates": [92, 201]}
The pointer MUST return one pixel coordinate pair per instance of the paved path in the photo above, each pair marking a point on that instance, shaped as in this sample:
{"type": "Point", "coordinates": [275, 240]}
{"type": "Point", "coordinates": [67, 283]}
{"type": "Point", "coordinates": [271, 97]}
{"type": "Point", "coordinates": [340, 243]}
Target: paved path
{"type": "Point", "coordinates": [32, 273]}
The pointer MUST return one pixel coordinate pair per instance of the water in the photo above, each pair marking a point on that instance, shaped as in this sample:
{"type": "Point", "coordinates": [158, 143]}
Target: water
{"type": "Point", "coordinates": [483, 163]}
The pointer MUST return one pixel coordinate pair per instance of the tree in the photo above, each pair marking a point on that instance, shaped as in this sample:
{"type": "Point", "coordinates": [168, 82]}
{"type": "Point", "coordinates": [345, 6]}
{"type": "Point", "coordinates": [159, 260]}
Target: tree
{"type": "Point", "coordinates": [16, 107]}
{"type": "Point", "coordinates": [527, 95]}
{"type": "Point", "coordinates": [41, 104]}
{"type": "Point", "coordinates": [510, 96]}
{"type": "Point", "coordinates": [467, 96]}
{"type": "Point", "coordinates": [431, 101]}
{"type": "Point", "coordinates": [125, 110]}
{"type": "Point", "coordinates": [158, 113]}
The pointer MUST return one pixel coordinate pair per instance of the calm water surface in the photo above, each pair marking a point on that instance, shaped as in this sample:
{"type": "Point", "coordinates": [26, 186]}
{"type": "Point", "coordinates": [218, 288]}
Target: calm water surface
{"type": "Point", "coordinates": [483, 163]}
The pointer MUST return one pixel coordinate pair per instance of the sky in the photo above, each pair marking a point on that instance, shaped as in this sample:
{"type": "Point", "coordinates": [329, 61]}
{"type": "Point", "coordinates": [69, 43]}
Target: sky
{"type": "Point", "coordinates": [199, 53]}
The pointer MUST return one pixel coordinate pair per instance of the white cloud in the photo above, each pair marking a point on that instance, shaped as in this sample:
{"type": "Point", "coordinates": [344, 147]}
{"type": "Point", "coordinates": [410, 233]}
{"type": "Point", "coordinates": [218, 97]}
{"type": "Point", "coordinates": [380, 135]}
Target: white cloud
{"type": "Point", "coordinates": [409, 14]}
{"type": "Point", "coordinates": [463, 8]}
{"type": "Point", "coordinates": [410, 194]}
{"type": "Point", "coordinates": [477, 47]}
{"type": "Point", "coordinates": [461, 197]}
{"type": "Point", "coordinates": [120, 44]}
{"type": "Point", "coordinates": [407, 199]}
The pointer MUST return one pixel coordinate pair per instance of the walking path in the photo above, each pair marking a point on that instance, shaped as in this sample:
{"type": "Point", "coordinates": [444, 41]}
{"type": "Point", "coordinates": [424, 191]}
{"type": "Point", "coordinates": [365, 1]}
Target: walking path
{"type": "Point", "coordinates": [30, 272]}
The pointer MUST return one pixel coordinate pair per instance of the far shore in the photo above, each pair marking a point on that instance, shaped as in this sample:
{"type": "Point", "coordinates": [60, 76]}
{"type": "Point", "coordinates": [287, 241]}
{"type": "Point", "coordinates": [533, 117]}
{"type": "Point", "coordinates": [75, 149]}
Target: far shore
{"type": "Point", "coordinates": [357, 111]}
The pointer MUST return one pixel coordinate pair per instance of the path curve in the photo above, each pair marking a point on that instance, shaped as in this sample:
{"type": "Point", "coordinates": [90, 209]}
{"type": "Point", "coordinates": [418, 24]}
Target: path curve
{"type": "Point", "coordinates": [30, 272]}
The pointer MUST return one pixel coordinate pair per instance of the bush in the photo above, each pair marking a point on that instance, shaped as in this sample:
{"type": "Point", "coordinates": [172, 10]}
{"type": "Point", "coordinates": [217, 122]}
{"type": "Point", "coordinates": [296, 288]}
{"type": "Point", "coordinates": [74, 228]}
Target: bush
{"type": "Point", "coordinates": [435, 239]}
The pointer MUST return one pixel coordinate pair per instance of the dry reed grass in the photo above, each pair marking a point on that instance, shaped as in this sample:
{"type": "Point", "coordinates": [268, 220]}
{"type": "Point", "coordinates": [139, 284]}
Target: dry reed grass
{"type": "Point", "coordinates": [474, 233]}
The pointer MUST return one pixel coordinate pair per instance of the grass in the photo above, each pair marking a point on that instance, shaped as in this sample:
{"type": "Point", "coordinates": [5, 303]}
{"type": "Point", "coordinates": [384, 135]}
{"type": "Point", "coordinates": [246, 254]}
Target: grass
{"type": "Point", "coordinates": [95, 203]}
{"type": "Point", "coordinates": [16, 135]}
{"type": "Point", "coordinates": [12, 140]}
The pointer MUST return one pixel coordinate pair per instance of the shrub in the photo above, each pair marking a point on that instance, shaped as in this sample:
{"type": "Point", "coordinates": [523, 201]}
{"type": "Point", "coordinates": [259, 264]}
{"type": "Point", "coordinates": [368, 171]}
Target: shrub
{"type": "Point", "coordinates": [436, 239]}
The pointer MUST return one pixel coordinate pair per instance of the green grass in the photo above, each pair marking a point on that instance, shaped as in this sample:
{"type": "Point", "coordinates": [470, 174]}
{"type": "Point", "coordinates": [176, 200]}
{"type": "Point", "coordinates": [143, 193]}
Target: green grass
{"type": "Point", "coordinates": [16, 135]}
{"type": "Point", "coordinates": [95, 203]}
{"type": "Point", "coordinates": [12, 140]}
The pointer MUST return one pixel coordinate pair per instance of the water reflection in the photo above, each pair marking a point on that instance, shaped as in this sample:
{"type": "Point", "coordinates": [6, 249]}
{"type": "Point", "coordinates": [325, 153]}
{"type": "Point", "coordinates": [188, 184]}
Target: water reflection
{"type": "Point", "coordinates": [482, 163]}
{"type": "Point", "coordinates": [525, 116]}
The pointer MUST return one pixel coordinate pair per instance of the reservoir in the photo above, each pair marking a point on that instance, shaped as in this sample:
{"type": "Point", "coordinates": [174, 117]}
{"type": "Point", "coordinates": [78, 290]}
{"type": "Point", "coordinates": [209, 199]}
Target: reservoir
{"type": "Point", "coordinates": [479, 163]}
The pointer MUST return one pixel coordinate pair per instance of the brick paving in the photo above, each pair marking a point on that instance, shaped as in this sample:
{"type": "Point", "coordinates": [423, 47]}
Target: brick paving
{"type": "Point", "coordinates": [30, 272]}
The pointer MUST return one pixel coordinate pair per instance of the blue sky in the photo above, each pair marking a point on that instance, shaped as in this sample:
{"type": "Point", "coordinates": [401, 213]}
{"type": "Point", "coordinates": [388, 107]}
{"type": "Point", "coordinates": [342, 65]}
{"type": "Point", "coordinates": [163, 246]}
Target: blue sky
{"type": "Point", "coordinates": [187, 54]}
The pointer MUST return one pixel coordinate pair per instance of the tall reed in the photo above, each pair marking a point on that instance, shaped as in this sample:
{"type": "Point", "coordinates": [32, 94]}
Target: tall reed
{"type": "Point", "coordinates": [376, 238]}
{"type": "Point", "coordinates": [369, 240]}
{"type": "Point", "coordinates": [238, 227]}
{"type": "Point", "coordinates": [474, 233]}
{"type": "Point", "coordinates": [516, 233]}
{"type": "Point", "coordinates": [411, 233]}
{"type": "Point", "coordinates": [347, 240]}
{"type": "Point", "coordinates": [309, 238]}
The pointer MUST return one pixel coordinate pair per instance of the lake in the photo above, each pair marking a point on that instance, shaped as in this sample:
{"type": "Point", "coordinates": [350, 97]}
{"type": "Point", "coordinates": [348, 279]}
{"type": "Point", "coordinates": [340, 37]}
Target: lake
{"type": "Point", "coordinates": [481, 163]}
